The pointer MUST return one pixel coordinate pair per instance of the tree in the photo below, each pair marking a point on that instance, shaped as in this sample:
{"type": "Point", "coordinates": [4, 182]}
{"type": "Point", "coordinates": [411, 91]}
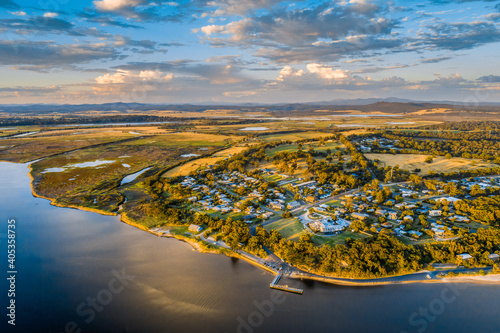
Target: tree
{"type": "Point", "coordinates": [428, 159]}
{"type": "Point", "coordinates": [357, 225]}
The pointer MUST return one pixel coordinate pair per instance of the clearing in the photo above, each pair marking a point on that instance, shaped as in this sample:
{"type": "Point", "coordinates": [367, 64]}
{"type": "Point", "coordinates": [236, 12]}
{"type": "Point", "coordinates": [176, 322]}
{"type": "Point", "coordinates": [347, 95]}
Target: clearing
{"type": "Point", "coordinates": [439, 164]}
{"type": "Point", "coordinates": [288, 228]}
{"type": "Point", "coordinates": [187, 168]}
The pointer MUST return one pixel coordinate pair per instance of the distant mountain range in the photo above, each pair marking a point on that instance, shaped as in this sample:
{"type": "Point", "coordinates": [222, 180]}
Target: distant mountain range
{"type": "Point", "coordinates": [389, 105]}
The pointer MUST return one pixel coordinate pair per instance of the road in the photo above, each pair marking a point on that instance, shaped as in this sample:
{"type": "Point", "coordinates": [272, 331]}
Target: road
{"type": "Point", "coordinates": [415, 277]}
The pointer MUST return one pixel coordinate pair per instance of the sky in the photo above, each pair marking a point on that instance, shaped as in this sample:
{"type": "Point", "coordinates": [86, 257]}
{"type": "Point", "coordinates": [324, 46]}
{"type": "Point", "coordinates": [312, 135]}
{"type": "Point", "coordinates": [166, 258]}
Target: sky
{"type": "Point", "coordinates": [242, 51]}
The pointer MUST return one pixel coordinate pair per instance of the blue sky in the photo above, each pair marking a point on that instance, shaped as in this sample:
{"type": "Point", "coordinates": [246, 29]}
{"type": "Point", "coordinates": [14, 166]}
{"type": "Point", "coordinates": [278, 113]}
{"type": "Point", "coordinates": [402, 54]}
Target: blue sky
{"type": "Point", "coordinates": [237, 51]}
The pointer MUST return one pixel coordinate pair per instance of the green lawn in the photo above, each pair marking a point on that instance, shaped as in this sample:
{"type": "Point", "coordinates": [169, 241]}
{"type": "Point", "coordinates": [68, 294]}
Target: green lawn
{"type": "Point", "coordinates": [335, 203]}
{"type": "Point", "coordinates": [288, 228]}
{"type": "Point", "coordinates": [337, 239]}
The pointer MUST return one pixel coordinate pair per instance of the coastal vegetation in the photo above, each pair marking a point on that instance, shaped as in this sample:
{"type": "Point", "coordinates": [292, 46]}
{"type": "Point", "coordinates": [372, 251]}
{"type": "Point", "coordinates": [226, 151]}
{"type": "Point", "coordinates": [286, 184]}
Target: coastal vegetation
{"type": "Point", "coordinates": [86, 167]}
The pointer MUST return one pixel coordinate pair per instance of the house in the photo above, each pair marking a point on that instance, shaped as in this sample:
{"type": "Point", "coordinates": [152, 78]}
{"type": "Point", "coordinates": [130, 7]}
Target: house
{"type": "Point", "coordinates": [343, 222]}
{"type": "Point", "coordinates": [458, 218]}
{"type": "Point", "coordinates": [408, 218]}
{"type": "Point", "coordinates": [195, 228]}
{"type": "Point", "coordinates": [438, 231]}
{"type": "Point", "coordinates": [416, 234]}
{"type": "Point", "coordinates": [387, 225]}
{"type": "Point", "coordinates": [266, 215]}
{"type": "Point", "coordinates": [464, 256]}
{"type": "Point", "coordinates": [276, 205]}
{"type": "Point", "coordinates": [301, 185]}
{"type": "Point", "coordinates": [494, 257]}
{"type": "Point", "coordinates": [326, 226]}
{"type": "Point", "coordinates": [448, 199]}
{"type": "Point", "coordinates": [393, 215]}
{"type": "Point", "coordinates": [360, 216]}
{"type": "Point", "coordinates": [380, 212]}
{"type": "Point", "coordinates": [435, 213]}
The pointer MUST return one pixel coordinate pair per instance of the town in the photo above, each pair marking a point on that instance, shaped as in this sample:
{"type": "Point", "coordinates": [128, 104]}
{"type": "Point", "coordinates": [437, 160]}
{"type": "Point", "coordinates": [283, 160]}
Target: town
{"type": "Point", "coordinates": [416, 211]}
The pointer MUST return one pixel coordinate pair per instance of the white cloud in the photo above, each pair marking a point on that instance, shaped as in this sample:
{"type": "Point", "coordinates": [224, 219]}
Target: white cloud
{"type": "Point", "coordinates": [325, 72]}
{"type": "Point", "coordinates": [50, 15]}
{"type": "Point", "coordinates": [123, 76]}
{"type": "Point", "coordinates": [211, 29]}
{"type": "Point", "coordinates": [18, 13]}
{"type": "Point", "coordinates": [114, 78]}
{"type": "Point", "coordinates": [289, 71]}
{"type": "Point", "coordinates": [111, 5]}
{"type": "Point", "coordinates": [314, 70]}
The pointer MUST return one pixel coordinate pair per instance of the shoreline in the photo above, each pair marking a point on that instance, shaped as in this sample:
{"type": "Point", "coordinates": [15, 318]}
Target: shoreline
{"type": "Point", "coordinates": [475, 279]}
{"type": "Point", "coordinates": [56, 204]}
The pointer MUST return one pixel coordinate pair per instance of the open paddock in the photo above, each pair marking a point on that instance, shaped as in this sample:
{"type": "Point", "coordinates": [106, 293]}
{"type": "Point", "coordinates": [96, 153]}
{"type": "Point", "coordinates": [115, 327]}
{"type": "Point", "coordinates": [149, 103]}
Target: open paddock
{"type": "Point", "coordinates": [188, 167]}
{"type": "Point", "coordinates": [439, 164]}
{"type": "Point", "coordinates": [23, 149]}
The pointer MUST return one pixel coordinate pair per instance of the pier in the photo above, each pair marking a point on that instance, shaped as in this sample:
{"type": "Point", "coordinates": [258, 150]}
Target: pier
{"type": "Point", "coordinates": [274, 285]}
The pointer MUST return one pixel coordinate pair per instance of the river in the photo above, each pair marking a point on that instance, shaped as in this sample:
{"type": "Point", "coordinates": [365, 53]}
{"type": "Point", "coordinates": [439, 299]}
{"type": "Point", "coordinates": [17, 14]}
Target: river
{"type": "Point", "coordinates": [83, 272]}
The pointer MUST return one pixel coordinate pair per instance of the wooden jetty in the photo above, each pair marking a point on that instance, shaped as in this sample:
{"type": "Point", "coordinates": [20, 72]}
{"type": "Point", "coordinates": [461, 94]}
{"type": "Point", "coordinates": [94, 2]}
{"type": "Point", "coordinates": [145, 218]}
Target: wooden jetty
{"type": "Point", "coordinates": [274, 285]}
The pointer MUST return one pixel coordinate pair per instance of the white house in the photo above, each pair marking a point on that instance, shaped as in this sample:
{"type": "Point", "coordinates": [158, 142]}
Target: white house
{"type": "Point", "coordinates": [464, 256]}
{"type": "Point", "coordinates": [435, 213]}
{"type": "Point", "coordinates": [195, 228]}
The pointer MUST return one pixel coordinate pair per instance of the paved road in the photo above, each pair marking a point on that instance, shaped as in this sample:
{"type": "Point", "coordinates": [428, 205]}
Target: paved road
{"type": "Point", "coordinates": [415, 277]}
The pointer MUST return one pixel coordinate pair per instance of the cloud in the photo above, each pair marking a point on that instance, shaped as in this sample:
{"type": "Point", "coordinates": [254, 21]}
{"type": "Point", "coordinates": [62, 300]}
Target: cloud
{"type": "Point", "coordinates": [44, 24]}
{"type": "Point", "coordinates": [27, 91]}
{"type": "Point", "coordinates": [493, 16]}
{"type": "Point", "coordinates": [324, 32]}
{"type": "Point", "coordinates": [50, 14]}
{"type": "Point", "coordinates": [210, 29]}
{"type": "Point", "coordinates": [325, 72]}
{"type": "Point", "coordinates": [306, 26]}
{"type": "Point", "coordinates": [489, 79]}
{"type": "Point", "coordinates": [9, 4]}
{"type": "Point", "coordinates": [144, 46]}
{"type": "Point", "coordinates": [459, 35]}
{"type": "Point", "coordinates": [238, 7]}
{"type": "Point", "coordinates": [107, 21]}
{"type": "Point", "coordinates": [18, 13]}
{"type": "Point", "coordinates": [330, 51]}
{"type": "Point", "coordinates": [288, 71]}
{"type": "Point", "coordinates": [435, 60]}
{"type": "Point", "coordinates": [315, 71]}
{"type": "Point", "coordinates": [227, 72]}
{"type": "Point", "coordinates": [138, 10]}
{"type": "Point", "coordinates": [50, 54]}
{"type": "Point", "coordinates": [115, 5]}
{"type": "Point", "coordinates": [124, 76]}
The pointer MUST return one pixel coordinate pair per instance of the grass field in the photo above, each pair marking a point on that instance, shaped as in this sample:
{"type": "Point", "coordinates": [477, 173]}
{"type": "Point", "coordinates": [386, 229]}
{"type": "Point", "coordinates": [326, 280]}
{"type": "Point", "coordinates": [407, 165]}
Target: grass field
{"type": "Point", "coordinates": [438, 165]}
{"type": "Point", "coordinates": [288, 228]}
{"type": "Point", "coordinates": [337, 239]}
{"type": "Point", "coordinates": [185, 169]}
{"type": "Point", "coordinates": [185, 139]}
{"type": "Point", "coordinates": [315, 145]}
{"type": "Point", "coordinates": [88, 184]}
{"type": "Point", "coordinates": [43, 144]}
{"type": "Point", "coordinates": [293, 136]}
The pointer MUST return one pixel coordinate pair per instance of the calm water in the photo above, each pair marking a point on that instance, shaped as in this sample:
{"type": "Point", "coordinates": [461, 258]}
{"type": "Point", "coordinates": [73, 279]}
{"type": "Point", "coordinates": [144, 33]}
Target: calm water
{"type": "Point", "coordinates": [66, 257]}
